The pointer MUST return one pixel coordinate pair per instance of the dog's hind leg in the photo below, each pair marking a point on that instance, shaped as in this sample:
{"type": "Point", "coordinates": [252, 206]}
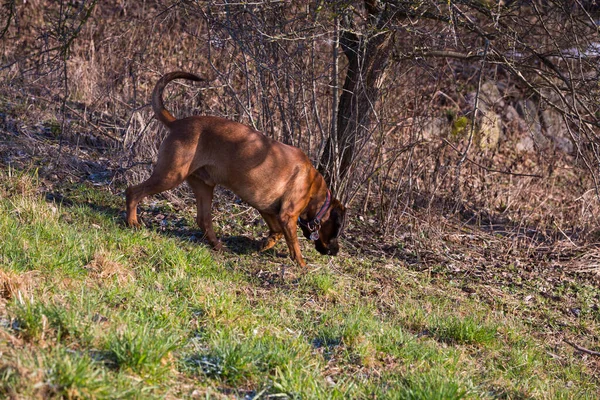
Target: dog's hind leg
{"type": "Point", "coordinates": [157, 183]}
{"type": "Point", "coordinates": [172, 167]}
{"type": "Point", "coordinates": [204, 196]}
{"type": "Point", "coordinates": [275, 232]}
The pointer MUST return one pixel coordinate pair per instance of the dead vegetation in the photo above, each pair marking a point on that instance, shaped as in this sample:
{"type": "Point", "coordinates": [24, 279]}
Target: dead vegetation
{"type": "Point", "coordinates": [424, 187]}
{"type": "Point", "coordinates": [101, 268]}
{"type": "Point", "coordinates": [16, 286]}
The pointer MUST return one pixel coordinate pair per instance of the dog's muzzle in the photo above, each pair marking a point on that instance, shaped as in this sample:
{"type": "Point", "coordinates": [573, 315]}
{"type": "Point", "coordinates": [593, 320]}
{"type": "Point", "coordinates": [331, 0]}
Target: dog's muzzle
{"type": "Point", "coordinates": [330, 250]}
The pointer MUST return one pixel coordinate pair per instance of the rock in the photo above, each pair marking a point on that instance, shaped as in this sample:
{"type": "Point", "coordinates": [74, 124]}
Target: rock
{"type": "Point", "coordinates": [528, 111]}
{"type": "Point", "coordinates": [510, 114]}
{"type": "Point", "coordinates": [525, 145]}
{"type": "Point", "coordinates": [434, 127]}
{"type": "Point", "coordinates": [556, 130]}
{"type": "Point", "coordinates": [490, 130]}
{"type": "Point", "coordinates": [489, 97]}
{"type": "Point", "coordinates": [564, 144]}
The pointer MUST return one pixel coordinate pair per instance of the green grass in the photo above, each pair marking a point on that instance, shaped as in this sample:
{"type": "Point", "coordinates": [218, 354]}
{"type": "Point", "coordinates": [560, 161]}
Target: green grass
{"type": "Point", "coordinates": [73, 375]}
{"type": "Point", "coordinates": [141, 348]}
{"type": "Point", "coordinates": [452, 329]}
{"type": "Point", "coordinates": [91, 309]}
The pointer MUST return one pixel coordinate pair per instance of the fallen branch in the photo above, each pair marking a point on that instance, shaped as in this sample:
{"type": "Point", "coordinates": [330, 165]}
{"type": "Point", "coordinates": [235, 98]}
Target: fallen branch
{"type": "Point", "coordinates": [582, 349]}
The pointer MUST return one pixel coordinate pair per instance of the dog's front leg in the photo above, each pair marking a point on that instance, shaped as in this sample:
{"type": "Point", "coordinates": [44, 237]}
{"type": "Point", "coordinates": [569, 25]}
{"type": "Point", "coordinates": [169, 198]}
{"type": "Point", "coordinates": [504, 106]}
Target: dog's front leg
{"type": "Point", "coordinates": [290, 232]}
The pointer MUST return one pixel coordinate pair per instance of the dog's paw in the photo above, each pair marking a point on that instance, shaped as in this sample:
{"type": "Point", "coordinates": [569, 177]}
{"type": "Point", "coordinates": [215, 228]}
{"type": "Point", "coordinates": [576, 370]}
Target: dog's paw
{"type": "Point", "coordinates": [268, 242]}
{"type": "Point", "coordinates": [219, 248]}
{"type": "Point", "coordinates": [135, 224]}
{"type": "Point", "coordinates": [265, 245]}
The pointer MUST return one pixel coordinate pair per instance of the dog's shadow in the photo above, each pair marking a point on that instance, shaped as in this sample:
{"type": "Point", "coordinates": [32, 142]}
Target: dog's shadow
{"type": "Point", "coordinates": [235, 244]}
{"type": "Point", "coordinates": [176, 227]}
{"type": "Point", "coordinates": [240, 245]}
{"type": "Point", "coordinates": [281, 275]}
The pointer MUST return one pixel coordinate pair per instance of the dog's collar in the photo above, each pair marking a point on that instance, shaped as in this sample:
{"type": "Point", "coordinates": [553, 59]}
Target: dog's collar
{"type": "Point", "coordinates": [314, 224]}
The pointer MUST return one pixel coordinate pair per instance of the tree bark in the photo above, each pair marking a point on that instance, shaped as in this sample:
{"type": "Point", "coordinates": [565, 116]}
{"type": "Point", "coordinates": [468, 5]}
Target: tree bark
{"type": "Point", "coordinates": [367, 54]}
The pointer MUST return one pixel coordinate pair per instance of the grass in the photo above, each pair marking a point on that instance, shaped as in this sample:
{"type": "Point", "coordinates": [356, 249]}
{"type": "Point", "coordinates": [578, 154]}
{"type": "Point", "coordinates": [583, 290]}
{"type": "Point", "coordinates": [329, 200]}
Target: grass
{"type": "Point", "coordinates": [91, 309]}
{"type": "Point", "coordinates": [452, 329]}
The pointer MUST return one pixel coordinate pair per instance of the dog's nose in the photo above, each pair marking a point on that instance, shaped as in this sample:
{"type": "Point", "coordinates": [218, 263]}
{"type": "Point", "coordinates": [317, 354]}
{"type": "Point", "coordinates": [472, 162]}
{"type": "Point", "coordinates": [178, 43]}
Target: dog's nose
{"type": "Point", "coordinates": [333, 248]}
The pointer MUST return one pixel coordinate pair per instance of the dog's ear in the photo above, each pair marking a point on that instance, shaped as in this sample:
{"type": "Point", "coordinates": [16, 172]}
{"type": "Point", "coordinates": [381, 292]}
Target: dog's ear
{"type": "Point", "coordinates": [338, 217]}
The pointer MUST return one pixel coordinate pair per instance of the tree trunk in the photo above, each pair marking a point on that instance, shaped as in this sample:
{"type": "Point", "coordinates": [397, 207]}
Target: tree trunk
{"type": "Point", "coordinates": [367, 55]}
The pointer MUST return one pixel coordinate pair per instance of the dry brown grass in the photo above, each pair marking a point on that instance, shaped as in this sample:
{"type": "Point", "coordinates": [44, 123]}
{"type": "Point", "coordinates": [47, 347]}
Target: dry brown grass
{"type": "Point", "coordinates": [15, 285]}
{"type": "Point", "coordinates": [18, 286]}
{"type": "Point", "coordinates": [102, 269]}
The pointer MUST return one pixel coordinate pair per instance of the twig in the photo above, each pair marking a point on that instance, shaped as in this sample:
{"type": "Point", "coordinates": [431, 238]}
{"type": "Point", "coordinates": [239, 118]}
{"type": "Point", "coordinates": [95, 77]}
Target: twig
{"type": "Point", "coordinates": [10, 6]}
{"type": "Point", "coordinates": [491, 169]}
{"type": "Point", "coordinates": [96, 127]}
{"type": "Point", "coordinates": [582, 349]}
{"type": "Point", "coordinates": [167, 9]}
{"type": "Point", "coordinates": [85, 119]}
{"type": "Point", "coordinates": [565, 235]}
{"type": "Point", "coordinates": [473, 119]}
{"type": "Point", "coordinates": [64, 51]}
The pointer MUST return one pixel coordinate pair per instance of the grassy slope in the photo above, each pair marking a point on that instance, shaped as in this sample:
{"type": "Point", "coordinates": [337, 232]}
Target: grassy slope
{"type": "Point", "coordinates": [92, 309]}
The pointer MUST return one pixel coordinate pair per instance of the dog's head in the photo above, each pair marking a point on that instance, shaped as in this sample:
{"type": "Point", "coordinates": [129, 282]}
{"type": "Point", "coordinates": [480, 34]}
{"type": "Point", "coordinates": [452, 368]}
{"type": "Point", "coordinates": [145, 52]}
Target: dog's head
{"type": "Point", "coordinates": [330, 230]}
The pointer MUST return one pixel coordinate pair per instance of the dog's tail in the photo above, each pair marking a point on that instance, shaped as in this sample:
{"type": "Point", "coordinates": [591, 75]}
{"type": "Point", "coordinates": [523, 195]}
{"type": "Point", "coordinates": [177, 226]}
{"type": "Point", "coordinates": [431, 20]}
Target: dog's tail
{"type": "Point", "coordinates": [158, 106]}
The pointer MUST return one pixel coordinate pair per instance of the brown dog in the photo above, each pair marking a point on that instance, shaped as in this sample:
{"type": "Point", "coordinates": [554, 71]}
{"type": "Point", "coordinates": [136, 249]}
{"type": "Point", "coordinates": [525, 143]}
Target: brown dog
{"type": "Point", "coordinates": [276, 179]}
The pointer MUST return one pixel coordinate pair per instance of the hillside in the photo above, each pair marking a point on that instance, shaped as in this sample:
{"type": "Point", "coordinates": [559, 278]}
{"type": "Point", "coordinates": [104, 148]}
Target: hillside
{"type": "Point", "coordinates": [92, 309]}
{"type": "Point", "coordinates": [466, 151]}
